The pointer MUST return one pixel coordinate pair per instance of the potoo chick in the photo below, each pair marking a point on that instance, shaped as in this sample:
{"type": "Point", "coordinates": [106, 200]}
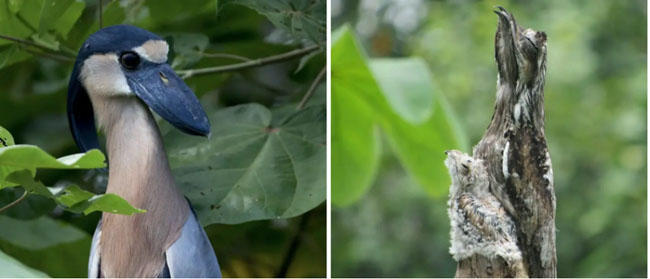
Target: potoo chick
{"type": "Point", "coordinates": [479, 223]}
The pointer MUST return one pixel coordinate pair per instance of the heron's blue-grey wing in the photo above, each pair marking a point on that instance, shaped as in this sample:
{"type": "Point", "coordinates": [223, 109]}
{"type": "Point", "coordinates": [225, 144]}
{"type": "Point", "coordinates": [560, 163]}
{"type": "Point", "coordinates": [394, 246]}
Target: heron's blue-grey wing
{"type": "Point", "coordinates": [93, 261]}
{"type": "Point", "coordinates": [192, 254]}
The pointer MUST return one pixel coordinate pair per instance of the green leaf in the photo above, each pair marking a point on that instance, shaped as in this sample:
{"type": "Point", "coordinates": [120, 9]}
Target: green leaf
{"type": "Point", "coordinates": [11, 54]}
{"type": "Point", "coordinates": [10, 25]}
{"type": "Point", "coordinates": [47, 40]}
{"type": "Point", "coordinates": [304, 19]}
{"type": "Point", "coordinates": [72, 195]}
{"type": "Point", "coordinates": [63, 22]}
{"type": "Point", "coordinates": [18, 157]}
{"type": "Point", "coordinates": [33, 206]}
{"type": "Point", "coordinates": [52, 10]}
{"type": "Point", "coordinates": [406, 85]}
{"type": "Point", "coordinates": [25, 179]}
{"type": "Point", "coordinates": [355, 144]}
{"type": "Point", "coordinates": [6, 139]}
{"type": "Point", "coordinates": [30, 157]}
{"type": "Point", "coordinates": [31, 13]}
{"type": "Point", "coordinates": [173, 11]}
{"type": "Point", "coordinates": [38, 234]}
{"type": "Point", "coordinates": [73, 198]}
{"type": "Point", "coordinates": [188, 48]}
{"type": "Point", "coordinates": [417, 128]}
{"type": "Point", "coordinates": [256, 165]}
{"type": "Point", "coordinates": [15, 5]}
{"type": "Point", "coordinates": [110, 203]}
{"type": "Point", "coordinates": [13, 268]}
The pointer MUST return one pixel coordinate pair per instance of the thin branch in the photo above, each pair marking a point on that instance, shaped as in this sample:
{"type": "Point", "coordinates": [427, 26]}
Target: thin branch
{"type": "Point", "coordinates": [15, 202]}
{"type": "Point", "coordinates": [226, 55]}
{"type": "Point", "coordinates": [312, 88]}
{"type": "Point", "coordinates": [249, 64]}
{"type": "Point", "coordinates": [47, 50]}
{"type": "Point", "coordinates": [22, 41]}
{"type": "Point", "coordinates": [60, 58]}
{"type": "Point", "coordinates": [293, 248]}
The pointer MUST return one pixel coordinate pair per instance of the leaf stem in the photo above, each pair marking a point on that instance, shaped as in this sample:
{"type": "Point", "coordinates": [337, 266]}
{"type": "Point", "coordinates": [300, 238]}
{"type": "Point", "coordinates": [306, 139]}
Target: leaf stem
{"type": "Point", "coordinates": [249, 64]}
{"type": "Point", "coordinates": [15, 202]}
{"type": "Point", "coordinates": [312, 88]}
{"type": "Point", "coordinates": [226, 55]}
{"type": "Point", "coordinates": [293, 248]}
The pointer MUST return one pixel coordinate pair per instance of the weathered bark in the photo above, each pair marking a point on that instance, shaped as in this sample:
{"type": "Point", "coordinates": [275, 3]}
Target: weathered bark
{"type": "Point", "coordinates": [516, 157]}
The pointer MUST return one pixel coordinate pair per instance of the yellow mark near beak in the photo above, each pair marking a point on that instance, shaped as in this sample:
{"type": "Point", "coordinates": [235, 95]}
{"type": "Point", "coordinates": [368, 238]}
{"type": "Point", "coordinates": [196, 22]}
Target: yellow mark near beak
{"type": "Point", "coordinates": [164, 78]}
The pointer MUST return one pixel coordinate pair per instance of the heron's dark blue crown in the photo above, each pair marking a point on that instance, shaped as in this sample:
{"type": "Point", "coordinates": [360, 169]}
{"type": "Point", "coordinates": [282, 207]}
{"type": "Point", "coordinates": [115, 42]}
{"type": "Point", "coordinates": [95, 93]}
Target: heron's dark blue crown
{"type": "Point", "coordinates": [116, 38]}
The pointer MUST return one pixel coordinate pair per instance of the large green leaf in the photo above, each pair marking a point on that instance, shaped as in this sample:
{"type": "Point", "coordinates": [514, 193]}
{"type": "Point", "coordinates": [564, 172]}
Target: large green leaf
{"type": "Point", "coordinates": [355, 144]}
{"type": "Point", "coordinates": [13, 268]}
{"type": "Point", "coordinates": [255, 165]}
{"type": "Point", "coordinates": [304, 19]}
{"type": "Point", "coordinates": [406, 84]}
{"type": "Point", "coordinates": [418, 128]}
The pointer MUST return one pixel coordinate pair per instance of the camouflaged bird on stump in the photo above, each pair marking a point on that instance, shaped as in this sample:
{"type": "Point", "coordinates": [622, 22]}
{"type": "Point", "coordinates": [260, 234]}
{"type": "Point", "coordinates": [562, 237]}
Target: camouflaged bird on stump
{"type": "Point", "coordinates": [502, 199]}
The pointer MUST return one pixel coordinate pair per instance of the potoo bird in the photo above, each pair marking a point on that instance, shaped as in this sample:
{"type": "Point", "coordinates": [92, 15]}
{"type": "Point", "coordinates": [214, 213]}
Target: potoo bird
{"type": "Point", "coordinates": [514, 158]}
{"type": "Point", "coordinates": [479, 224]}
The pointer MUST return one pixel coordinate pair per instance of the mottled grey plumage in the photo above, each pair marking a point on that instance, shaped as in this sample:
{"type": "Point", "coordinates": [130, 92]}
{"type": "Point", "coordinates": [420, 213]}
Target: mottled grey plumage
{"type": "Point", "coordinates": [513, 149]}
{"type": "Point", "coordinates": [479, 224]}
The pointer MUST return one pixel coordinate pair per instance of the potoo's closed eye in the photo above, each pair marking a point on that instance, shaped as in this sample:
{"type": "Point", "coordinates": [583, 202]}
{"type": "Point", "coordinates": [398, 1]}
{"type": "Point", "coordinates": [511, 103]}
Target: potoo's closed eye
{"type": "Point", "coordinates": [464, 170]}
{"type": "Point", "coordinates": [130, 60]}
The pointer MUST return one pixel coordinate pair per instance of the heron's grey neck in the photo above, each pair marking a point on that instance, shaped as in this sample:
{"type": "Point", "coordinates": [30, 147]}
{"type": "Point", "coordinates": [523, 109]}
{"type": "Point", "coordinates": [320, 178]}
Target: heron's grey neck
{"type": "Point", "coordinates": [135, 149]}
{"type": "Point", "coordinates": [139, 172]}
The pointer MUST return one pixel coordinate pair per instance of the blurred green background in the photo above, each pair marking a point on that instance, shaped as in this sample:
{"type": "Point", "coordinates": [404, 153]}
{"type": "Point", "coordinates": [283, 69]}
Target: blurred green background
{"type": "Point", "coordinates": [595, 126]}
{"type": "Point", "coordinates": [33, 108]}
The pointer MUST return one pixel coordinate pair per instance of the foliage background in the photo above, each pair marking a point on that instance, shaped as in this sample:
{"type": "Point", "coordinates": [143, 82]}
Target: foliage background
{"type": "Point", "coordinates": [33, 90]}
{"type": "Point", "coordinates": [596, 129]}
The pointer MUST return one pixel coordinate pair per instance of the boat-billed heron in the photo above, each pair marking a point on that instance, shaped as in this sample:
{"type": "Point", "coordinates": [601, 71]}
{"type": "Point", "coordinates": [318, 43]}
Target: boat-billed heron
{"type": "Point", "coordinates": [120, 73]}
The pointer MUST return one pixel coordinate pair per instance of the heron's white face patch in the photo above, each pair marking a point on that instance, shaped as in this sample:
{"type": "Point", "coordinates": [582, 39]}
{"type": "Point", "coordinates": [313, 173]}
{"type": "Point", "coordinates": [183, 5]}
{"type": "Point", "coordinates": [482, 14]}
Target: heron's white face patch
{"type": "Point", "coordinates": [101, 74]}
{"type": "Point", "coordinates": [153, 50]}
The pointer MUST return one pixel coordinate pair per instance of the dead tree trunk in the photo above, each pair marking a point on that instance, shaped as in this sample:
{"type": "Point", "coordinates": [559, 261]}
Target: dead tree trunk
{"type": "Point", "coordinates": [520, 204]}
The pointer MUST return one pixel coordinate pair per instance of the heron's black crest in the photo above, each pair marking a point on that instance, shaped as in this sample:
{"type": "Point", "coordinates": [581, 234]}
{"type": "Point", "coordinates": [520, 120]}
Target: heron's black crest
{"type": "Point", "coordinates": [117, 38]}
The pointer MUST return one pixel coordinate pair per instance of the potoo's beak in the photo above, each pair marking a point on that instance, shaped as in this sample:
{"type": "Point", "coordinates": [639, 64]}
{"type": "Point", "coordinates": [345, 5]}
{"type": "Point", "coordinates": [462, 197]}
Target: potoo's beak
{"type": "Point", "coordinates": [505, 45]}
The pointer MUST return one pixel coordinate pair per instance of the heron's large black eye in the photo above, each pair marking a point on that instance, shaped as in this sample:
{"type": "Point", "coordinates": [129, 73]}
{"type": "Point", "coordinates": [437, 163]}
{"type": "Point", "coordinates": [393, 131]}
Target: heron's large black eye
{"type": "Point", "coordinates": [130, 60]}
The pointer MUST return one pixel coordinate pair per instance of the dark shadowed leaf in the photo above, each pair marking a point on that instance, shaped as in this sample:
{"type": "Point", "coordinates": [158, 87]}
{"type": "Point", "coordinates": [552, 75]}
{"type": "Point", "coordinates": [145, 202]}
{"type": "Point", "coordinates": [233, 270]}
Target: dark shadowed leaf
{"type": "Point", "coordinates": [188, 48]}
{"type": "Point", "coordinates": [33, 206]}
{"type": "Point", "coordinates": [304, 19]}
{"type": "Point", "coordinates": [253, 166]}
{"type": "Point", "coordinates": [39, 233]}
